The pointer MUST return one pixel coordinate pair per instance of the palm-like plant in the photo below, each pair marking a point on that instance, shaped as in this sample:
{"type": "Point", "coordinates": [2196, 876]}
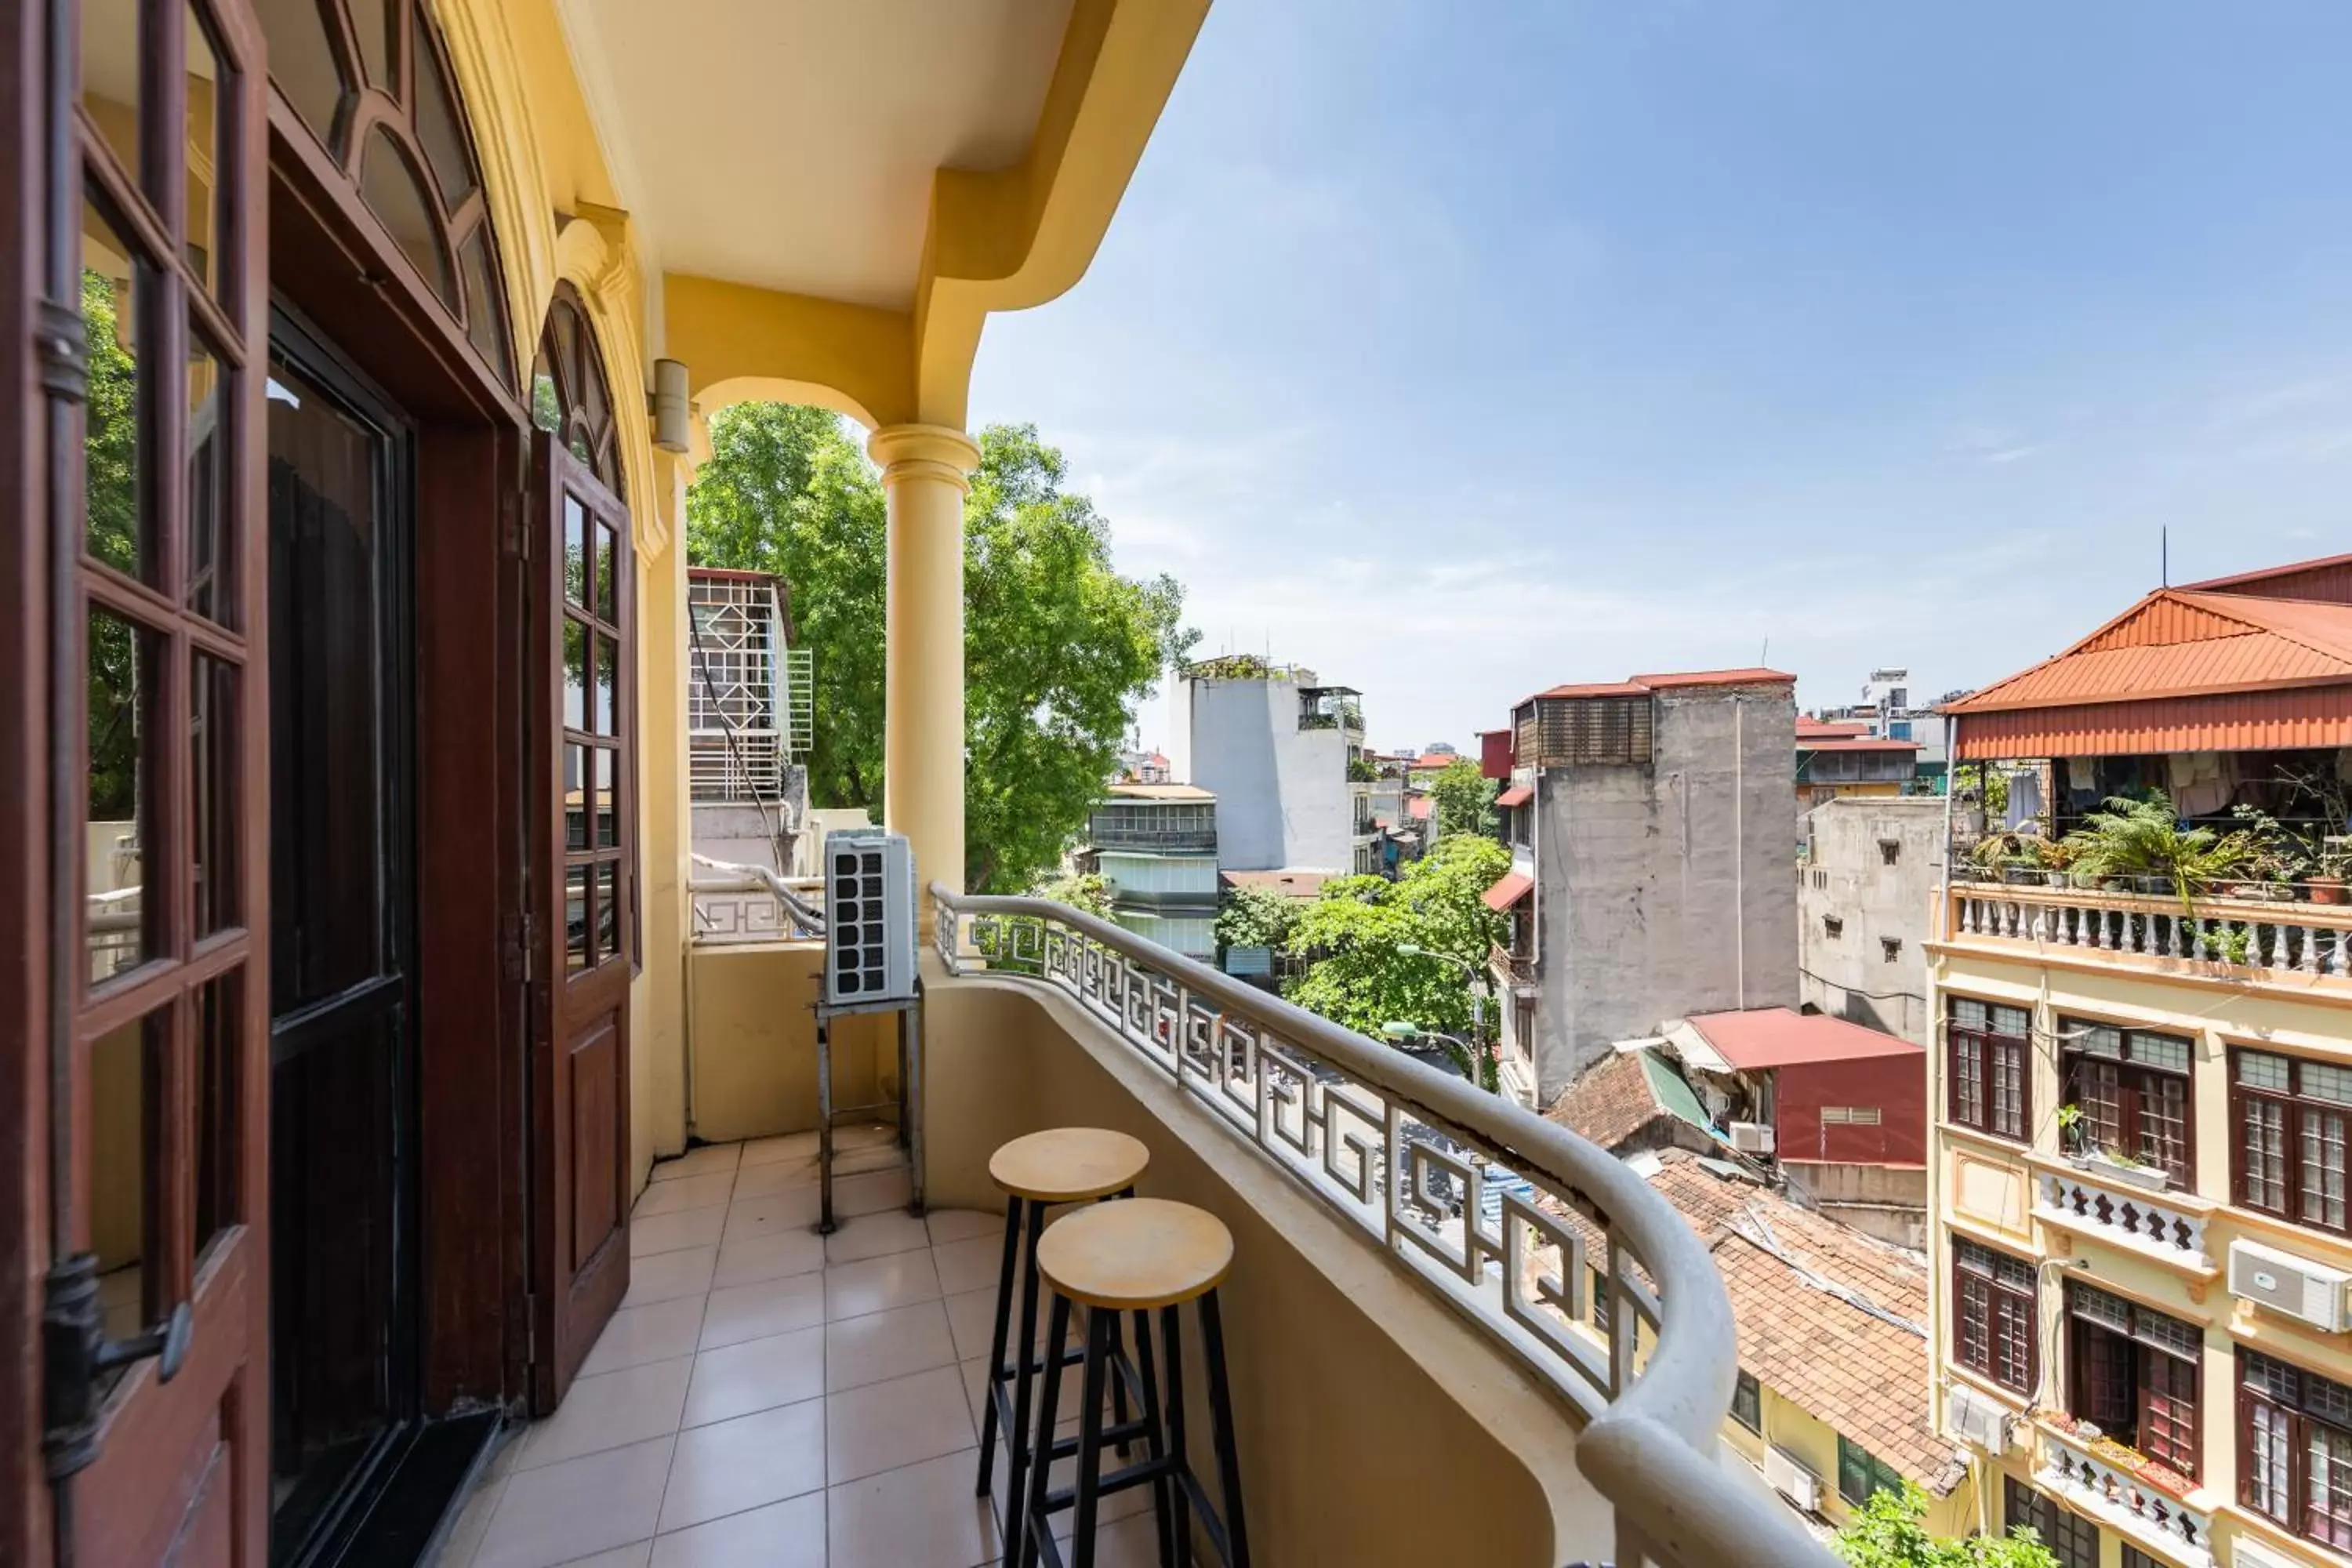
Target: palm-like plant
{"type": "Point", "coordinates": [2145, 839]}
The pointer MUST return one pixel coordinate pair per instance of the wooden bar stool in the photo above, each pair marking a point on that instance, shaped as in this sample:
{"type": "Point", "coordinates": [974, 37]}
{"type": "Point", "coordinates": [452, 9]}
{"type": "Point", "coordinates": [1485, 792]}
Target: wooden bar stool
{"type": "Point", "coordinates": [1144, 1256]}
{"type": "Point", "coordinates": [1061, 1165]}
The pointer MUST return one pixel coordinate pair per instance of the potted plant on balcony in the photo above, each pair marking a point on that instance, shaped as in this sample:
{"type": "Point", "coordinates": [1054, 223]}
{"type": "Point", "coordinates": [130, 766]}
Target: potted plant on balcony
{"type": "Point", "coordinates": [2070, 1132]}
{"type": "Point", "coordinates": [2123, 1165]}
{"type": "Point", "coordinates": [2332, 883]}
{"type": "Point", "coordinates": [2143, 840]}
{"type": "Point", "coordinates": [2277, 858]}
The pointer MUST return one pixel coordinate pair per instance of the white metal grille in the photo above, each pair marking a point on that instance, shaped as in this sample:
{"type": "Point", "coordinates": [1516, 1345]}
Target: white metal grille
{"type": "Point", "coordinates": [749, 704]}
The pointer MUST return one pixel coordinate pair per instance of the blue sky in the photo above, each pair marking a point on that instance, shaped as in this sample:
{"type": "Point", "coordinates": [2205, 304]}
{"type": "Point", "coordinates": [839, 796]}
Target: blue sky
{"type": "Point", "coordinates": [1459, 358]}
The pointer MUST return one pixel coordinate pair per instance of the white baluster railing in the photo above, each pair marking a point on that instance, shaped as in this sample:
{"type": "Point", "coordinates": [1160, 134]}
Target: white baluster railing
{"type": "Point", "coordinates": [2116, 1497]}
{"type": "Point", "coordinates": [2311, 939]}
{"type": "Point", "coordinates": [2123, 1215]}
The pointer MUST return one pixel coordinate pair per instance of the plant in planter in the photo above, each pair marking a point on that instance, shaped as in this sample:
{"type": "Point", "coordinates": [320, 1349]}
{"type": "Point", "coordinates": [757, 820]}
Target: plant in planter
{"type": "Point", "coordinates": [2277, 858]}
{"type": "Point", "coordinates": [2144, 841]}
{"type": "Point", "coordinates": [2328, 797]}
{"type": "Point", "coordinates": [2070, 1129]}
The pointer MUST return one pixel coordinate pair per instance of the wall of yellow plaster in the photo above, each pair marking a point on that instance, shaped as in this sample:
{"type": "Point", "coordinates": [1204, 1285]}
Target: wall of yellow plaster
{"type": "Point", "coordinates": [1814, 1444]}
{"type": "Point", "coordinates": [1984, 1187]}
{"type": "Point", "coordinates": [755, 1042]}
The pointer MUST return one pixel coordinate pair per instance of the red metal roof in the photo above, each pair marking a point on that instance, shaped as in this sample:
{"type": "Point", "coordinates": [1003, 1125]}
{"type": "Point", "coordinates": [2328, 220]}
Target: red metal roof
{"type": "Point", "coordinates": [1825, 729]}
{"type": "Point", "coordinates": [1754, 675]}
{"type": "Point", "coordinates": [1600, 689]}
{"type": "Point", "coordinates": [1518, 794]}
{"type": "Point", "coordinates": [1853, 744]}
{"type": "Point", "coordinates": [1775, 1036]}
{"type": "Point", "coordinates": [1509, 892]}
{"type": "Point", "coordinates": [1417, 808]}
{"type": "Point", "coordinates": [2328, 578]}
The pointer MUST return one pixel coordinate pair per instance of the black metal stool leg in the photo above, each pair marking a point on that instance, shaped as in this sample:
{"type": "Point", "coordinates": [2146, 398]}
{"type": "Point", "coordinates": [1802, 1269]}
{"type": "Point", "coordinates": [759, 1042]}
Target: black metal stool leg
{"type": "Point", "coordinates": [1025, 1358]}
{"type": "Point", "coordinates": [1161, 1485]}
{"type": "Point", "coordinates": [1023, 1552]}
{"type": "Point", "coordinates": [996, 1350]}
{"type": "Point", "coordinates": [1172, 1339]}
{"type": "Point", "coordinates": [1117, 1384]}
{"type": "Point", "coordinates": [1101, 1328]}
{"type": "Point", "coordinates": [1220, 1412]}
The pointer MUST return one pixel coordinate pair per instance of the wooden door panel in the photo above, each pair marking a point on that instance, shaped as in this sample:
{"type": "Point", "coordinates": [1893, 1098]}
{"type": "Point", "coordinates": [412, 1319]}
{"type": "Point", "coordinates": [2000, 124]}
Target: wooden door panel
{"type": "Point", "coordinates": [582, 839]}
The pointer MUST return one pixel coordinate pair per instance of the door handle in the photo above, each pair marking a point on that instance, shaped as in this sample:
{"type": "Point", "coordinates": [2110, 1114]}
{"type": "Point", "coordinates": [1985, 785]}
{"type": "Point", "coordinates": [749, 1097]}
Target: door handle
{"type": "Point", "coordinates": [76, 1353]}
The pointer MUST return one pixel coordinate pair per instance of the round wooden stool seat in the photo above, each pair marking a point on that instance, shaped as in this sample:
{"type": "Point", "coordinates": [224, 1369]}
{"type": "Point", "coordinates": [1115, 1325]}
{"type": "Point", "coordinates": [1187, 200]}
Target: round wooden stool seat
{"type": "Point", "coordinates": [1132, 1256]}
{"type": "Point", "coordinates": [1068, 1165]}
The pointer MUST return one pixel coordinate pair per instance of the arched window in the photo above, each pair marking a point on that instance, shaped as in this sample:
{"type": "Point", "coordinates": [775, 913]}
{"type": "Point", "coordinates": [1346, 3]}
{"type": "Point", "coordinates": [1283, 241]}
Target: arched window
{"type": "Point", "coordinates": [570, 397]}
{"type": "Point", "coordinates": [371, 80]}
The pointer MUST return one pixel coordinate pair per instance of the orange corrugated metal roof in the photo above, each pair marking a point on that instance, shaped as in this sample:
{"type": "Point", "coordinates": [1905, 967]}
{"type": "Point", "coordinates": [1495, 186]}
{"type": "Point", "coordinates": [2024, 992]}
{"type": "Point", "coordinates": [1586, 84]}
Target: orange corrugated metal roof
{"type": "Point", "coordinates": [1824, 729]}
{"type": "Point", "coordinates": [1518, 794]}
{"type": "Point", "coordinates": [2327, 578]}
{"type": "Point", "coordinates": [2176, 643]}
{"type": "Point", "coordinates": [1754, 675]}
{"type": "Point", "coordinates": [2288, 718]}
{"type": "Point", "coordinates": [1514, 886]}
{"type": "Point", "coordinates": [1595, 688]}
{"type": "Point", "coordinates": [1853, 743]}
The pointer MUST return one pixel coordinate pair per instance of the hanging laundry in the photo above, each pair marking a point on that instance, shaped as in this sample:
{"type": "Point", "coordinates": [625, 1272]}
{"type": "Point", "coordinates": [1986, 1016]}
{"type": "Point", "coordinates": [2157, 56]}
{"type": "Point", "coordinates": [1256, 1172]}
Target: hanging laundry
{"type": "Point", "coordinates": [2024, 797]}
{"type": "Point", "coordinates": [2197, 781]}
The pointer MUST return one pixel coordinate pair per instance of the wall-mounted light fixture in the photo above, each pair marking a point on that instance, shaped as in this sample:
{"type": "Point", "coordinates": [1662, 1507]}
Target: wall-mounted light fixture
{"type": "Point", "coordinates": [672, 414]}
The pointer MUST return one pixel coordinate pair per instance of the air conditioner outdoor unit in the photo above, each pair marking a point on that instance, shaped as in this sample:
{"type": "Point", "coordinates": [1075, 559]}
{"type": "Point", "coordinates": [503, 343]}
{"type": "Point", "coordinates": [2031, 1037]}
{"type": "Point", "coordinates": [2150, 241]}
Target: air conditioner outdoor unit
{"type": "Point", "coordinates": [869, 917]}
{"type": "Point", "coordinates": [2249, 1554]}
{"type": "Point", "coordinates": [1793, 1481]}
{"type": "Point", "coordinates": [1751, 1137]}
{"type": "Point", "coordinates": [1974, 1418]}
{"type": "Point", "coordinates": [2288, 1284]}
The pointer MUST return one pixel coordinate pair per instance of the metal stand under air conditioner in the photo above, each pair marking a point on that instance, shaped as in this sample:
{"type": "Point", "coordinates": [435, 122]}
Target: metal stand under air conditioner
{"type": "Point", "coordinates": [907, 1107]}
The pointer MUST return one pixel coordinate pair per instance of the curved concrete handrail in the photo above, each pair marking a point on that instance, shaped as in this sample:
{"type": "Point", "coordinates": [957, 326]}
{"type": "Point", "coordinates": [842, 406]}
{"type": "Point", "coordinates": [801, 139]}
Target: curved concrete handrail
{"type": "Point", "coordinates": [1651, 1450]}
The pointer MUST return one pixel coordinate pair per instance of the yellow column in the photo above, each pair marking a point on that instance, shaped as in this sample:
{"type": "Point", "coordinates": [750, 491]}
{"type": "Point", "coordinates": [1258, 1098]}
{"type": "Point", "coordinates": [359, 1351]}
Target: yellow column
{"type": "Point", "coordinates": [926, 474]}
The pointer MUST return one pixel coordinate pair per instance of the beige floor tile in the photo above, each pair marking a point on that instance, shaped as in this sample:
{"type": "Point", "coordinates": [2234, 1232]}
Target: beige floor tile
{"type": "Point", "coordinates": [879, 1284]}
{"type": "Point", "coordinates": [666, 1276]}
{"type": "Point", "coordinates": [972, 1317]}
{"type": "Point", "coordinates": [885, 1424]}
{"type": "Point", "coordinates": [872, 1193]}
{"type": "Point", "coordinates": [740, 1312]}
{"type": "Point", "coordinates": [630, 1556]}
{"type": "Point", "coordinates": [511, 1447]}
{"type": "Point", "coordinates": [1130, 1542]}
{"type": "Point", "coordinates": [745, 1463]}
{"type": "Point", "coordinates": [882, 1345]}
{"type": "Point", "coordinates": [962, 1225]}
{"type": "Point", "coordinates": [975, 1371]}
{"type": "Point", "coordinates": [791, 1146]}
{"type": "Point", "coordinates": [473, 1524]}
{"type": "Point", "coordinates": [975, 1264]}
{"type": "Point", "coordinates": [611, 1410]}
{"type": "Point", "coordinates": [873, 1235]}
{"type": "Point", "coordinates": [757, 1375]}
{"type": "Point", "coordinates": [788, 1535]}
{"type": "Point", "coordinates": [702, 1162]}
{"type": "Point", "coordinates": [1117, 1505]}
{"type": "Point", "coordinates": [773, 1256]}
{"type": "Point", "coordinates": [677, 1232]}
{"type": "Point", "coordinates": [758, 1181]}
{"type": "Point", "coordinates": [579, 1507]}
{"type": "Point", "coordinates": [686, 1193]}
{"type": "Point", "coordinates": [771, 1214]}
{"type": "Point", "coordinates": [659, 1331]}
{"type": "Point", "coordinates": [924, 1515]}
{"type": "Point", "coordinates": [863, 1135]}
{"type": "Point", "coordinates": [876, 1157]}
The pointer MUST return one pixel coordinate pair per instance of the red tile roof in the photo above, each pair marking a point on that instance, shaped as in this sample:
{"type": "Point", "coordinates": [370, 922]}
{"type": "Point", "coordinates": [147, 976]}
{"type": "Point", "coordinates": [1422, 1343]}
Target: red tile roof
{"type": "Point", "coordinates": [1518, 794]}
{"type": "Point", "coordinates": [1417, 808]}
{"type": "Point", "coordinates": [1853, 743]}
{"type": "Point", "coordinates": [1827, 729]}
{"type": "Point", "coordinates": [1509, 892]}
{"type": "Point", "coordinates": [1610, 1102]}
{"type": "Point", "coordinates": [1775, 1036]}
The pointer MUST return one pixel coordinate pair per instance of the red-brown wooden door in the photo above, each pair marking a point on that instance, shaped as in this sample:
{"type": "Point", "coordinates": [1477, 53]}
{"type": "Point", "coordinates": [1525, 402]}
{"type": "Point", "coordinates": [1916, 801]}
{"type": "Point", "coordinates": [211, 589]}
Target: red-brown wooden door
{"type": "Point", "coordinates": [158, 1039]}
{"type": "Point", "coordinates": [581, 661]}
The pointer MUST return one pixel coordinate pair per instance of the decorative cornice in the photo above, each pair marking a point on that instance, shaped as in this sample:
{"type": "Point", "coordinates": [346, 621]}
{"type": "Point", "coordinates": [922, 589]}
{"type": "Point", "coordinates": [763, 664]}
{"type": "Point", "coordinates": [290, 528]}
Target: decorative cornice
{"type": "Point", "coordinates": [940, 453]}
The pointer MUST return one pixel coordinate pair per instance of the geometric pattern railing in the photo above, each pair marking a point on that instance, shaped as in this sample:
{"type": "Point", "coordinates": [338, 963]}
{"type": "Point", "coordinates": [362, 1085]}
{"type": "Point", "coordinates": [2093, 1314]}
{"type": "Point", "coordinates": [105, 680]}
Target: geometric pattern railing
{"type": "Point", "coordinates": [2126, 1217]}
{"type": "Point", "coordinates": [2292, 937]}
{"type": "Point", "coordinates": [2116, 1497]}
{"type": "Point", "coordinates": [1470, 1211]}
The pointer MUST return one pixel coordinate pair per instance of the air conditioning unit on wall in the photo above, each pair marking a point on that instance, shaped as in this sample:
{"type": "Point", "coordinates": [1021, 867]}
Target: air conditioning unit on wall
{"type": "Point", "coordinates": [2285, 1283]}
{"type": "Point", "coordinates": [1751, 1137]}
{"type": "Point", "coordinates": [869, 916]}
{"type": "Point", "coordinates": [1976, 1418]}
{"type": "Point", "coordinates": [1793, 1481]}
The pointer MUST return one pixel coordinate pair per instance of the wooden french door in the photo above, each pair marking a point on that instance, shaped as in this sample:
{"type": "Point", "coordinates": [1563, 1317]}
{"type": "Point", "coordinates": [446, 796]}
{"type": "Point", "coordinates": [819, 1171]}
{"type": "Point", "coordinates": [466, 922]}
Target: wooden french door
{"type": "Point", "coordinates": [580, 663]}
{"type": "Point", "coordinates": [156, 1271]}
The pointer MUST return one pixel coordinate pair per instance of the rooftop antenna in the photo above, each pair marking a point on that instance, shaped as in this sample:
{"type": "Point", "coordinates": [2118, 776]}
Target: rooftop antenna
{"type": "Point", "coordinates": [2164, 553]}
{"type": "Point", "coordinates": [1764, 659]}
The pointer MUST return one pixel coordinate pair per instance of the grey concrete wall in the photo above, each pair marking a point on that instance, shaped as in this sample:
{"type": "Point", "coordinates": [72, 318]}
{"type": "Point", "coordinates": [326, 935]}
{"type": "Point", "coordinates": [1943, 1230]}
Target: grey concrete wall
{"type": "Point", "coordinates": [1848, 879]}
{"type": "Point", "coordinates": [1666, 891]}
{"type": "Point", "coordinates": [1282, 792]}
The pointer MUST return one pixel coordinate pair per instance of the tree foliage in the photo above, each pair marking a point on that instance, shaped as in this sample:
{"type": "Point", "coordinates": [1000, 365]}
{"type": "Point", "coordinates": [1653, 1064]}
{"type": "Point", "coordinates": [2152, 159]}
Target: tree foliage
{"type": "Point", "coordinates": [1058, 648]}
{"type": "Point", "coordinates": [111, 475]}
{"type": "Point", "coordinates": [1352, 936]}
{"type": "Point", "coordinates": [1255, 917]}
{"type": "Point", "coordinates": [1466, 799]}
{"type": "Point", "coordinates": [1089, 892]}
{"type": "Point", "coordinates": [1890, 1531]}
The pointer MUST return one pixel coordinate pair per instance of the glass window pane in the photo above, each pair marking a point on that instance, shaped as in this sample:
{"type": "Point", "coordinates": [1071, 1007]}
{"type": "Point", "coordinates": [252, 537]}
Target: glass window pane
{"type": "Point", "coordinates": [124, 670]}
{"type": "Point", "coordinates": [576, 582]}
{"type": "Point", "coordinates": [2321, 1081]}
{"type": "Point", "coordinates": [301, 64]}
{"type": "Point", "coordinates": [608, 564]}
{"type": "Point", "coordinates": [395, 192]}
{"type": "Point", "coordinates": [546, 406]}
{"type": "Point", "coordinates": [606, 685]}
{"type": "Point", "coordinates": [211, 563]}
{"type": "Point", "coordinates": [608, 823]}
{"type": "Point", "coordinates": [112, 89]}
{"type": "Point", "coordinates": [117, 529]}
{"type": "Point", "coordinates": [125, 1067]}
{"type": "Point", "coordinates": [2162, 1051]}
{"type": "Point", "coordinates": [575, 802]}
{"type": "Point", "coordinates": [205, 216]}
{"type": "Point", "coordinates": [2259, 1070]}
{"type": "Point", "coordinates": [438, 125]}
{"type": "Point", "coordinates": [486, 317]}
{"type": "Point", "coordinates": [575, 674]}
{"type": "Point", "coordinates": [575, 917]}
{"type": "Point", "coordinates": [212, 741]}
{"type": "Point", "coordinates": [608, 909]}
{"type": "Point", "coordinates": [219, 1025]}
{"type": "Point", "coordinates": [372, 30]}
{"type": "Point", "coordinates": [2098, 1040]}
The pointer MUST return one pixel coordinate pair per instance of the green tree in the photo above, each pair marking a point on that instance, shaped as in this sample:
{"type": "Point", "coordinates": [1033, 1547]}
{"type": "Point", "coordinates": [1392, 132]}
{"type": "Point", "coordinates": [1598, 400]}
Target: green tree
{"type": "Point", "coordinates": [1058, 648]}
{"type": "Point", "coordinates": [1255, 917]}
{"type": "Point", "coordinates": [1353, 939]}
{"type": "Point", "coordinates": [1089, 892]}
{"type": "Point", "coordinates": [1465, 800]}
{"type": "Point", "coordinates": [110, 487]}
{"type": "Point", "coordinates": [1890, 1531]}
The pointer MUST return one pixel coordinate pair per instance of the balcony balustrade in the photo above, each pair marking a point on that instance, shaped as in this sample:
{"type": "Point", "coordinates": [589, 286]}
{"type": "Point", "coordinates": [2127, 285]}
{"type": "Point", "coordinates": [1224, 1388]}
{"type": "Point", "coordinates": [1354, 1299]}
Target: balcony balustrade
{"type": "Point", "coordinates": [2112, 1493]}
{"type": "Point", "coordinates": [2169, 1227]}
{"type": "Point", "coordinates": [2311, 939]}
{"type": "Point", "coordinates": [1383, 1175]}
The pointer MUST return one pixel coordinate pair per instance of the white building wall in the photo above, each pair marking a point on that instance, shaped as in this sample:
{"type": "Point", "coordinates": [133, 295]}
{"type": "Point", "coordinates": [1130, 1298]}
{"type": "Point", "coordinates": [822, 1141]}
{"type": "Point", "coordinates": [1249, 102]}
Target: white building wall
{"type": "Point", "coordinates": [1283, 799]}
